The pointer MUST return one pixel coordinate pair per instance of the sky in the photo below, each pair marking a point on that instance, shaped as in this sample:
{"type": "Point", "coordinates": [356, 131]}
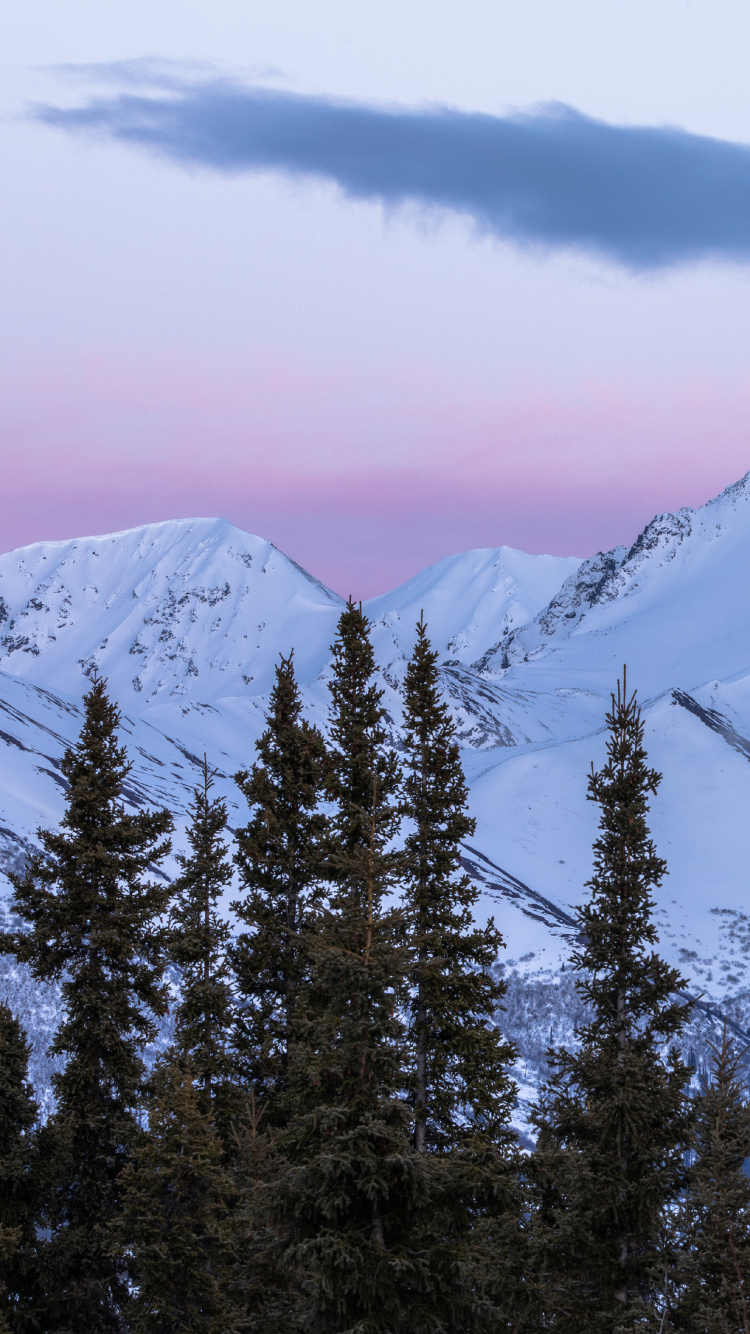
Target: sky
{"type": "Point", "coordinates": [379, 281]}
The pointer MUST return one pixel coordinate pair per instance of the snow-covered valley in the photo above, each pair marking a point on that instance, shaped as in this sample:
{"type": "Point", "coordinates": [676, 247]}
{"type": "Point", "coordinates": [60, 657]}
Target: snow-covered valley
{"type": "Point", "coordinates": [187, 619]}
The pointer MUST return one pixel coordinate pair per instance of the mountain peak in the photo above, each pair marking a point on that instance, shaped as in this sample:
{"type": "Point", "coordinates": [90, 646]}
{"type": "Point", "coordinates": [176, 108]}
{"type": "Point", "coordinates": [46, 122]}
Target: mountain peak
{"type": "Point", "coordinates": [164, 609]}
{"type": "Point", "coordinates": [674, 605]}
{"type": "Point", "coordinates": [471, 599]}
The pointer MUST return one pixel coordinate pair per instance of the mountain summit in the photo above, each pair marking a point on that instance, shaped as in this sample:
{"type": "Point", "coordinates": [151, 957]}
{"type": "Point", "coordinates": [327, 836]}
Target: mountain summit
{"type": "Point", "coordinates": [676, 604]}
{"type": "Point", "coordinates": [193, 608]}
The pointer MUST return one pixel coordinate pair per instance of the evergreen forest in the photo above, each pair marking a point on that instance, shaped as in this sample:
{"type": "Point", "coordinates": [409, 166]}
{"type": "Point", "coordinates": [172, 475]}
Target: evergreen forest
{"type": "Point", "coordinates": [326, 1144]}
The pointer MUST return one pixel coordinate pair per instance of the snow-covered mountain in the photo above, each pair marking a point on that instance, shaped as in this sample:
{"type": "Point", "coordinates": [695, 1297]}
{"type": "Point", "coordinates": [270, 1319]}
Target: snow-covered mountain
{"type": "Point", "coordinates": [467, 600]}
{"type": "Point", "coordinates": [187, 619]}
{"type": "Point", "coordinates": [676, 604]}
{"type": "Point", "coordinates": [195, 609]}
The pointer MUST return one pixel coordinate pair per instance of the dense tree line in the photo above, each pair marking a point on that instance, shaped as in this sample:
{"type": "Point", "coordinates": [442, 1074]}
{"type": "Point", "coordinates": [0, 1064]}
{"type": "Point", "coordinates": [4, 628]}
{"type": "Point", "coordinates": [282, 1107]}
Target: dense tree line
{"type": "Point", "coordinates": [326, 1145]}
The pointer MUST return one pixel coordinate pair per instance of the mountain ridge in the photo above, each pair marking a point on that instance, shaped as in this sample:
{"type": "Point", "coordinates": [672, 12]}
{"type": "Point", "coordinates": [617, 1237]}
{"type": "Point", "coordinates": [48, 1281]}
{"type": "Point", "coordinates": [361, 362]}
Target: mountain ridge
{"type": "Point", "coordinates": [177, 572]}
{"type": "Point", "coordinates": [529, 649]}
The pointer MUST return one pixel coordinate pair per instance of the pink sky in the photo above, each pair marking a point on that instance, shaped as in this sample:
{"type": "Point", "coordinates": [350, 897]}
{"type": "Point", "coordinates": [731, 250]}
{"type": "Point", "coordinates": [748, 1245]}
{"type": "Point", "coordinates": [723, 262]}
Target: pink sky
{"type": "Point", "coordinates": [362, 475]}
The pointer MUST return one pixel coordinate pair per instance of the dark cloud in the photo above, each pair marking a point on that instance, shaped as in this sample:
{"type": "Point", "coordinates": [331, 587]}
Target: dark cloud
{"type": "Point", "coordinates": [645, 197]}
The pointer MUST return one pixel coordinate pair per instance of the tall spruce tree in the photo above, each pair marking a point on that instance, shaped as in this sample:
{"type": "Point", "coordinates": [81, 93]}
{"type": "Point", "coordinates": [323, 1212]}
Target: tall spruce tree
{"type": "Point", "coordinates": [176, 1233]}
{"type": "Point", "coordinates": [712, 1280]}
{"type": "Point", "coordinates": [199, 942]}
{"type": "Point", "coordinates": [355, 1188]}
{"type": "Point", "coordinates": [461, 1082]}
{"type": "Point", "coordinates": [19, 1186]}
{"type": "Point", "coordinates": [612, 1122]}
{"type": "Point", "coordinates": [462, 1092]}
{"type": "Point", "coordinates": [93, 920]}
{"type": "Point", "coordinates": [278, 859]}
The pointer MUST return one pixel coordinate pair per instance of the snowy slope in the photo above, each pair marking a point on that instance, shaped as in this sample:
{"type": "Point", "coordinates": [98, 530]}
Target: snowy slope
{"type": "Point", "coordinates": [193, 609]}
{"type": "Point", "coordinates": [676, 609]}
{"type": "Point", "coordinates": [676, 606]}
{"type": "Point", "coordinates": [469, 601]}
{"type": "Point", "coordinates": [186, 620]}
{"type": "Point", "coordinates": [37, 725]}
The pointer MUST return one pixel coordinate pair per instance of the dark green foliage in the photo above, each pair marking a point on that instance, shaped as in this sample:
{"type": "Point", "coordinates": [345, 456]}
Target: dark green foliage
{"type": "Point", "coordinates": [93, 924]}
{"type": "Point", "coordinates": [176, 1233]}
{"type": "Point", "coordinates": [278, 860]}
{"type": "Point", "coordinates": [331, 1152]}
{"type": "Point", "coordinates": [355, 1188]}
{"type": "Point", "coordinates": [462, 1093]}
{"type": "Point", "coordinates": [713, 1270]}
{"type": "Point", "coordinates": [364, 773]}
{"type": "Point", "coordinates": [18, 1187]}
{"type": "Point", "coordinates": [199, 939]}
{"type": "Point", "coordinates": [266, 1284]}
{"type": "Point", "coordinates": [461, 1081]}
{"type": "Point", "coordinates": [612, 1122]}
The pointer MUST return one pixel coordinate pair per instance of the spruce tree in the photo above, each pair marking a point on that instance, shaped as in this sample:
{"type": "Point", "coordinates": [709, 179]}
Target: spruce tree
{"type": "Point", "coordinates": [355, 1187]}
{"type": "Point", "coordinates": [612, 1121]}
{"type": "Point", "coordinates": [93, 920]}
{"type": "Point", "coordinates": [461, 1081]}
{"type": "Point", "coordinates": [713, 1270]}
{"type": "Point", "coordinates": [278, 859]}
{"type": "Point", "coordinates": [19, 1188]}
{"type": "Point", "coordinates": [199, 941]}
{"type": "Point", "coordinates": [176, 1232]}
{"type": "Point", "coordinates": [462, 1093]}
